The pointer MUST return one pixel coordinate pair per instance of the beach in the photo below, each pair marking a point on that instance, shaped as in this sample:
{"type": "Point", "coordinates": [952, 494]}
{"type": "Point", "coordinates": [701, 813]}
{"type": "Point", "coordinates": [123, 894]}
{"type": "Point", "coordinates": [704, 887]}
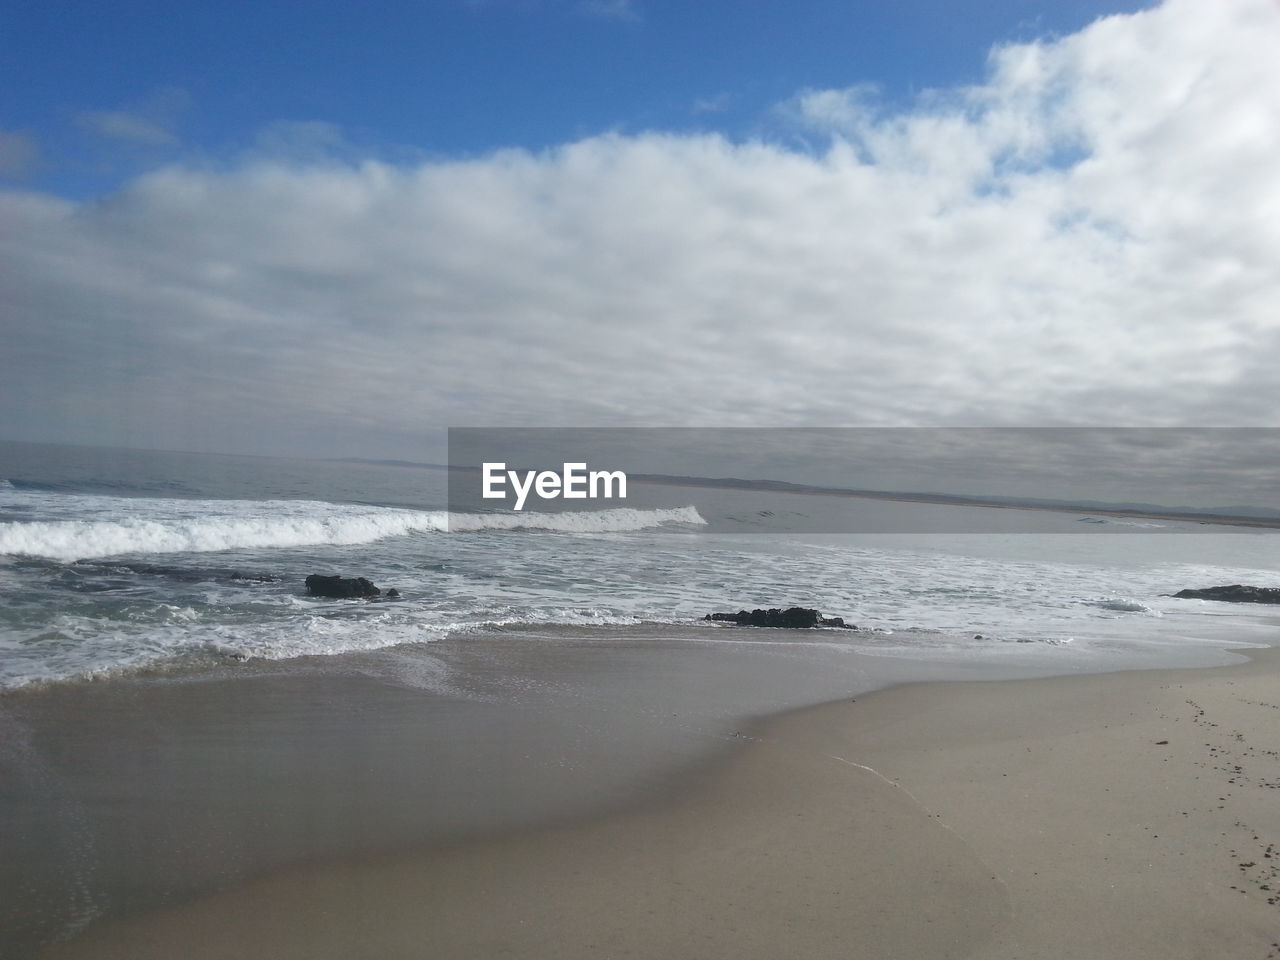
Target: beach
{"type": "Point", "coordinates": [1128, 814]}
{"type": "Point", "coordinates": [540, 748]}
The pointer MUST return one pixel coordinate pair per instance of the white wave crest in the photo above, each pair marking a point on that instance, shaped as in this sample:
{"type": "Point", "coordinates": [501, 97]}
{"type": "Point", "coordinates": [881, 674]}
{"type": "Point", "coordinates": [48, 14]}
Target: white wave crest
{"type": "Point", "coordinates": [88, 539]}
{"type": "Point", "coordinates": [98, 526]}
{"type": "Point", "coordinates": [619, 519]}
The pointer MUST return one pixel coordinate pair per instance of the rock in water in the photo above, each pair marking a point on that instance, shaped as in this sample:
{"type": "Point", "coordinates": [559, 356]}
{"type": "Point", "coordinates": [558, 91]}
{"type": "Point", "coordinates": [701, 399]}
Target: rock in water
{"type": "Point", "coordinates": [1234, 593]}
{"type": "Point", "coordinates": [340, 588]}
{"type": "Point", "coordinates": [792, 617]}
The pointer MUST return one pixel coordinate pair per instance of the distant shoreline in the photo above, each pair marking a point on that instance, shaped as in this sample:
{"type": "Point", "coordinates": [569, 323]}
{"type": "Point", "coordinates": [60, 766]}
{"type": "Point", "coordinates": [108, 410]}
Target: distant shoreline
{"type": "Point", "coordinates": [940, 499]}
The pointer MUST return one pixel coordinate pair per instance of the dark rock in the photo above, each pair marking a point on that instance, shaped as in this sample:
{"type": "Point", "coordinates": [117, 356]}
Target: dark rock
{"type": "Point", "coordinates": [792, 617]}
{"type": "Point", "coordinates": [393, 594]}
{"type": "Point", "coordinates": [340, 588]}
{"type": "Point", "coordinates": [1234, 593]}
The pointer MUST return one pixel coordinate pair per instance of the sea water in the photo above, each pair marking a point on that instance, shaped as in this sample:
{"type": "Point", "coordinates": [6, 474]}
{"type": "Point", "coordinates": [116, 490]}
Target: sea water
{"type": "Point", "coordinates": [114, 561]}
{"type": "Point", "coordinates": [177, 715]}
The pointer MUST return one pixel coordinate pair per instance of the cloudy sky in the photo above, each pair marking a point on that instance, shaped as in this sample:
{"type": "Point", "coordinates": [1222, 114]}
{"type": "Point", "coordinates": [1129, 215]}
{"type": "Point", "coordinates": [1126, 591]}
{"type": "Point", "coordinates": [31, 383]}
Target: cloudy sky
{"type": "Point", "coordinates": [337, 229]}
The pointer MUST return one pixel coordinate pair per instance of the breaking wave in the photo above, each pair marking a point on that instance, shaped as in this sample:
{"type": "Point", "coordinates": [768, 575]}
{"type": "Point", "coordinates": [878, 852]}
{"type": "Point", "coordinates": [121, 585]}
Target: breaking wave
{"type": "Point", "coordinates": [111, 526]}
{"type": "Point", "coordinates": [617, 520]}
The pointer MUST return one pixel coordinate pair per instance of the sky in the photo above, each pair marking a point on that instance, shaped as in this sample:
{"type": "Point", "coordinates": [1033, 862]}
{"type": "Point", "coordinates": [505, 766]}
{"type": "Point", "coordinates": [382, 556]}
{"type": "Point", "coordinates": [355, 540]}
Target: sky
{"type": "Point", "coordinates": [323, 229]}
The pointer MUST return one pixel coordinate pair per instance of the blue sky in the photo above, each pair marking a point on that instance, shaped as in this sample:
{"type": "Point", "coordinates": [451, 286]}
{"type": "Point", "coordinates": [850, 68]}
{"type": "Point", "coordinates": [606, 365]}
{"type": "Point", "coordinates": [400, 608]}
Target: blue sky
{"type": "Point", "coordinates": [337, 229]}
{"type": "Point", "coordinates": [106, 90]}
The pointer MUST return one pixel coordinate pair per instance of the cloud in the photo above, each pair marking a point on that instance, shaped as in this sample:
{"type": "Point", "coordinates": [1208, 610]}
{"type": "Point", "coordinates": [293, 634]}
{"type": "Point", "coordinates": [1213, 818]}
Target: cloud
{"type": "Point", "coordinates": [150, 123]}
{"type": "Point", "coordinates": [19, 154]}
{"type": "Point", "coordinates": [712, 104]}
{"type": "Point", "coordinates": [609, 9]}
{"type": "Point", "coordinates": [301, 141]}
{"type": "Point", "coordinates": [1092, 236]}
{"type": "Point", "coordinates": [121, 125]}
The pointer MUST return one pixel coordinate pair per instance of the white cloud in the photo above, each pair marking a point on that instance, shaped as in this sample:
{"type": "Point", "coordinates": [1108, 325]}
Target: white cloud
{"type": "Point", "coordinates": [718, 103]}
{"type": "Point", "coordinates": [150, 123]}
{"type": "Point", "coordinates": [1091, 237]}
{"type": "Point", "coordinates": [122, 125]}
{"type": "Point", "coordinates": [301, 141]}
{"type": "Point", "coordinates": [19, 153]}
{"type": "Point", "coordinates": [609, 9]}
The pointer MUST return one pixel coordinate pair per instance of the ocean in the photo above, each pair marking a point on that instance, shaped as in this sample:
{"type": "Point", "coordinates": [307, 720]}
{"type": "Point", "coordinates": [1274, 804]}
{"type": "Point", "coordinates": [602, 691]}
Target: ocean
{"type": "Point", "coordinates": [115, 561]}
{"type": "Point", "coordinates": [177, 715]}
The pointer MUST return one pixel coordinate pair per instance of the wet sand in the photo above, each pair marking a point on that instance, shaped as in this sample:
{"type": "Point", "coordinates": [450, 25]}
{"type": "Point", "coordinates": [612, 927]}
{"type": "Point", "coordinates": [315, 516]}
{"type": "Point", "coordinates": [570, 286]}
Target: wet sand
{"type": "Point", "coordinates": [123, 795]}
{"type": "Point", "coordinates": [1126, 815]}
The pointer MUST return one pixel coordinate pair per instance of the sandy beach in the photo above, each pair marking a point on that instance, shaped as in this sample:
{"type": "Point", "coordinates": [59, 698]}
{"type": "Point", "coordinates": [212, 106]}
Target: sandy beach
{"type": "Point", "coordinates": [1124, 815]}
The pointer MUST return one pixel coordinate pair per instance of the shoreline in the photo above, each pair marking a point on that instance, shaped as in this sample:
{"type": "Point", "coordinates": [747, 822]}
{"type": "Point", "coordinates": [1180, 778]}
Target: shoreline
{"type": "Point", "coordinates": [1125, 814]}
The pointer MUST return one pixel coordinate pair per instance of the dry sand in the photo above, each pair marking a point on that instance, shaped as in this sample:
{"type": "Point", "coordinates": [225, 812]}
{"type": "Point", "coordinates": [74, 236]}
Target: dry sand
{"type": "Point", "coordinates": [1128, 815]}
